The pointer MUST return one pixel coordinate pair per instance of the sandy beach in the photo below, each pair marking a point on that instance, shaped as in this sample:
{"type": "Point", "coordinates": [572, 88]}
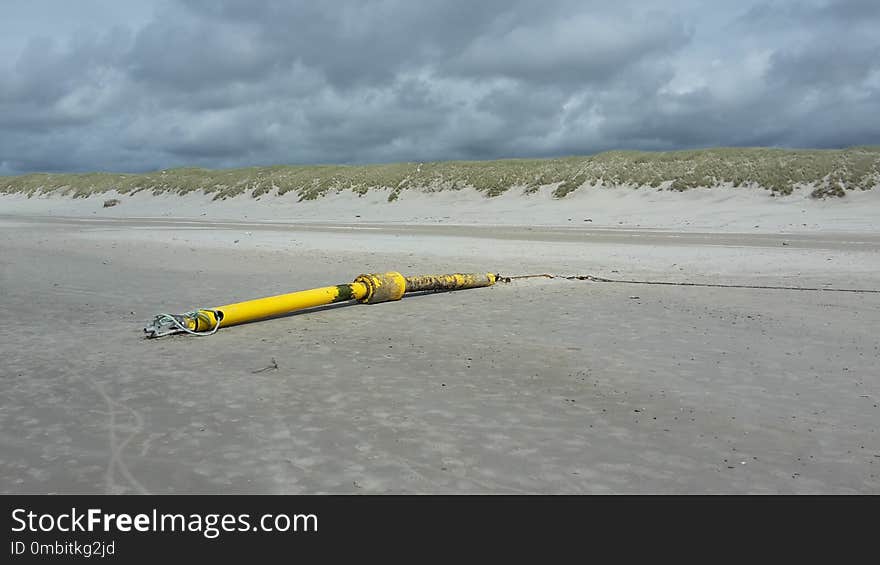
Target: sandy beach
{"type": "Point", "coordinates": [535, 386]}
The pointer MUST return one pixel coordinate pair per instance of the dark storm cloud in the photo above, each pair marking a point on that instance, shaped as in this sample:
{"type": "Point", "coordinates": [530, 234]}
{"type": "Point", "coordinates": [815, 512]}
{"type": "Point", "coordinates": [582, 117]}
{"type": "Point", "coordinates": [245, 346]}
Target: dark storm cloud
{"type": "Point", "coordinates": [51, 84]}
{"type": "Point", "coordinates": [584, 48]}
{"type": "Point", "coordinates": [831, 44]}
{"type": "Point", "coordinates": [233, 82]}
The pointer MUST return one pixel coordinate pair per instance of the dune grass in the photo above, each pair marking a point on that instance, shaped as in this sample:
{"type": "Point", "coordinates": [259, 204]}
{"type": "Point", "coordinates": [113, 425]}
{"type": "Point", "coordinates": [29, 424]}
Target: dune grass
{"type": "Point", "coordinates": [824, 172]}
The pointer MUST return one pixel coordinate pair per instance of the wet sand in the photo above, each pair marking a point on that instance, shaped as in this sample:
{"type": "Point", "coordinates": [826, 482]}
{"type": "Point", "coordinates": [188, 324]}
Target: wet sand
{"type": "Point", "coordinates": [538, 386]}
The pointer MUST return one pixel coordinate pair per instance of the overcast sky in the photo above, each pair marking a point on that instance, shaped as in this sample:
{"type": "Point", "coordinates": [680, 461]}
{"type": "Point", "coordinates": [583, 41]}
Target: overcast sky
{"type": "Point", "coordinates": [126, 85]}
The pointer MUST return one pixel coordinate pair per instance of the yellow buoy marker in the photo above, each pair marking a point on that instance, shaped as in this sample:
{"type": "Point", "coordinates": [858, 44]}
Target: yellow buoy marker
{"type": "Point", "coordinates": [368, 289]}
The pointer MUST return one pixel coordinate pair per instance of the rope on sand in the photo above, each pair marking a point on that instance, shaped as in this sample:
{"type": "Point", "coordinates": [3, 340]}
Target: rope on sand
{"type": "Point", "coordinates": [594, 278]}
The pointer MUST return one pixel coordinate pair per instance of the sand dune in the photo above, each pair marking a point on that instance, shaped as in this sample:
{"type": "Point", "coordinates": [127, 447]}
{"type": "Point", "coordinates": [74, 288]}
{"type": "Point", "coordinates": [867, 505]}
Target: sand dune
{"type": "Point", "coordinates": [727, 209]}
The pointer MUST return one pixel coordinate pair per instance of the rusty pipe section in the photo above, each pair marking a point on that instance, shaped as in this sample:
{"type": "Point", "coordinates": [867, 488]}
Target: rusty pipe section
{"type": "Point", "coordinates": [385, 287]}
{"type": "Point", "coordinates": [456, 281]}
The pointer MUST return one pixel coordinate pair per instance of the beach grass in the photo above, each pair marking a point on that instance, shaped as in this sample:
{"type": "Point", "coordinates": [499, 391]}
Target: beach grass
{"type": "Point", "coordinates": [824, 172]}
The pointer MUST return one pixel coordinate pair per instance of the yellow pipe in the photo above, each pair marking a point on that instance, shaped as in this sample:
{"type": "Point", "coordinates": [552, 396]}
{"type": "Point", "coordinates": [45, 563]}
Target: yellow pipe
{"type": "Point", "coordinates": [250, 310]}
{"type": "Point", "coordinates": [368, 289]}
